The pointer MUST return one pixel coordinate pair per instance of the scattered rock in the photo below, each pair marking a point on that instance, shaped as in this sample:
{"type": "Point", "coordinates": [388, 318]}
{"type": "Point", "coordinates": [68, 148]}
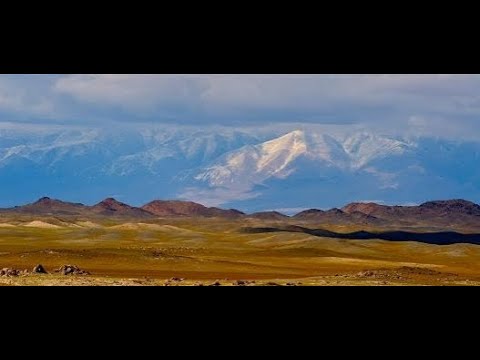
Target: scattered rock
{"type": "Point", "coordinates": [72, 270]}
{"type": "Point", "coordinates": [270, 283]}
{"type": "Point", "coordinates": [239, 283]}
{"type": "Point", "coordinates": [419, 271]}
{"type": "Point", "coordinates": [367, 273]}
{"type": "Point", "coordinates": [7, 272]}
{"type": "Point", "coordinates": [216, 283]}
{"type": "Point", "coordinates": [176, 279]}
{"type": "Point", "coordinates": [243, 283]}
{"type": "Point", "coordinates": [39, 269]}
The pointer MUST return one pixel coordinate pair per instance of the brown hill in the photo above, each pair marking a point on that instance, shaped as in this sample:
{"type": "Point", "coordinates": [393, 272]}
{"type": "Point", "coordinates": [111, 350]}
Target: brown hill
{"type": "Point", "coordinates": [113, 207]}
{"type": "Point", "coordinates": [268, 215]}
{"type": "Point", "coordinates": [47, 206]}
{"type": "Point", "coordinates": [187, 208]}
{"type": "Point", "coordinates": [336, 216]}
{"type": "Point", "coordinates": [432, 212]}
{"type": "Point", "coordinates": [448, 207]}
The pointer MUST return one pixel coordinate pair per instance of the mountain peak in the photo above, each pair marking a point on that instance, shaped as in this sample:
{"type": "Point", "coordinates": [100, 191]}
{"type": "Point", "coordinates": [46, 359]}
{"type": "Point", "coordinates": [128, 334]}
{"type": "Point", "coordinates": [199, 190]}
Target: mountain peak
{"type": "Point", "coordinates": [46, 205]}
{"type": "Point", "coordinates": [110, 200]}
{"type": "Point", "coordinates": [297, 133]}
{"type": "Point", "coordinates": [452, 202]}
{"type": "Point", "coordinates": [309, 212]}
{"type": "Point", "coordinates": [46, 201]}
{"type": "Point", "coordinates": [269, 215]}
{"type": "Point", "coordinates": [173, 207]}
{"type": "Point", "coordinates": [111, 203]}
{"type": "Point", "coordinates": [455, 205]}
{"type": "Point", "coordinates": [115, 207]}
{"type": "Point", "coordinates": [186, 208]}
{"type": "Point", "coordinates": [363, 207]}
{"type": "Point", "coordinates": [335, 211]}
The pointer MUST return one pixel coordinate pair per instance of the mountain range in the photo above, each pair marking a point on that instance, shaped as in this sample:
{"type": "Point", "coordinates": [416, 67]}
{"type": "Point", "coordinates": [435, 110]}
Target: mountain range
{"type": "Point", "coordinates": [275, 169]}
{"type": "Point", "coordinates": [439, 213]}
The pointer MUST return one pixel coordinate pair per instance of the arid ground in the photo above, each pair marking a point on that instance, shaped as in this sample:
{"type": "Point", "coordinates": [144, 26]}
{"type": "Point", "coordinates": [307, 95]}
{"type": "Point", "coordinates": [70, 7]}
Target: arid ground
{"type": "Point", "coordinates": [205, 251]}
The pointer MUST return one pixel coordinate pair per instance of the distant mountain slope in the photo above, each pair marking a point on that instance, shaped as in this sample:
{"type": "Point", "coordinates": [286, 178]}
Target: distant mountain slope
{"type": "Point", "coordinates": [247, 168]}
{"type": "Point", "coordinates": [336, 216]}
{"type": "Point", "coordinates": [446, 211]}
{"type": "Point", "coordinates": [113, 207]}
{"type": "Point", "coordinates": [187, 208]}
{"type": "Point", "coordinates": [46, 206]}
{"type": "Point", "coordinates": [443, 213]}
{"type": "Point", "coordinates": [269, 215]}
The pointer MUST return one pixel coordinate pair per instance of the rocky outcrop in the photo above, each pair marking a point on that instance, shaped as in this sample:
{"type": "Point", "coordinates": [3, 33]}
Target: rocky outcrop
{"type": "Point", "coordinates": [8, 272]}
{"type": "Point", "coordinates": [39, 269]}
{"type": "Point", "coordinates": [71, 270]}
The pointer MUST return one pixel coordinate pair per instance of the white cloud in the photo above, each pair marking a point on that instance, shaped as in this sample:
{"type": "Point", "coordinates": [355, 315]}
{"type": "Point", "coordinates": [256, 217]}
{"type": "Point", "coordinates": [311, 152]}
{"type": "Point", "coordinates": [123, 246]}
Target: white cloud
{"type": "Point", "coordinates": [297, 92]}
{"type": "Point", "coordinates": [448, 105]}
{"type": "Point", "coordinates": [136, 92]}
{"type": "Point", "coordinates": [25, 97]}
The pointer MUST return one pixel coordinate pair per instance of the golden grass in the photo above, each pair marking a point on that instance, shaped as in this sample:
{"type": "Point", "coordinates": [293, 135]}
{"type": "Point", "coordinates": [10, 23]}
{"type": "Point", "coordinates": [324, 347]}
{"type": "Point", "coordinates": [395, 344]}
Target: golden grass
{"type": "Point", "coordinates": [147, 253]}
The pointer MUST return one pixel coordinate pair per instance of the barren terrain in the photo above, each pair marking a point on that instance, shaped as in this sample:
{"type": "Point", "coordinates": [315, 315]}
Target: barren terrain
{"type": "Point", "coordinates": [217, 251]}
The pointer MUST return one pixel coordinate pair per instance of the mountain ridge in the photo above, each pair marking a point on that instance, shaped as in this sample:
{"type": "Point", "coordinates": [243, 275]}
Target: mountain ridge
{"type": "Point", "coordinates": [246, 168]}
{"type": "Point", "coordinates": [442, 212]}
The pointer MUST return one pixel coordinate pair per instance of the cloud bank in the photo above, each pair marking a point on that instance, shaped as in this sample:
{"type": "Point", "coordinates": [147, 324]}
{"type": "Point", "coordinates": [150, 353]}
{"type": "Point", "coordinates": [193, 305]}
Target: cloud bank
{"type": "Point", "coordinates": [447, 105]}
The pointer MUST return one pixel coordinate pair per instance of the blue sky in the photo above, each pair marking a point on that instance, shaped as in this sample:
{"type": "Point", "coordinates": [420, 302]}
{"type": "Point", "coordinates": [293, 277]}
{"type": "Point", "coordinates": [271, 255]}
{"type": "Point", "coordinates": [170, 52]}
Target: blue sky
{"type": "Point", "coordinates": [445, 105]}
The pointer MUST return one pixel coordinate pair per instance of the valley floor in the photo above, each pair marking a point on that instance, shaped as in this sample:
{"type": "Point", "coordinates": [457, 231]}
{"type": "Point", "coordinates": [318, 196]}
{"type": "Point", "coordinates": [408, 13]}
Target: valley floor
{"type": "Point", "coordinates": [176, 252]}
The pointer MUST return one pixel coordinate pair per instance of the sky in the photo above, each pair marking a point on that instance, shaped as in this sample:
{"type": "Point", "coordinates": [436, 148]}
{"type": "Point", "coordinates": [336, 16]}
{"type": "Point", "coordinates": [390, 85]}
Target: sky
{"type": "Point", "coordinates": [443, 105]}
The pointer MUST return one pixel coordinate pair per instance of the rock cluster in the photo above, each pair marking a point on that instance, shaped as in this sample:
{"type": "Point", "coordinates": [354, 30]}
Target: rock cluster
{"type": "Point", "coordinates": [243, 283]}
{"type": "Point", "coordinates": [173, 281]}
{"type": "Point", "coordinates": [71, 270]}
{"type": "Point", "coordinates": [8, 272]}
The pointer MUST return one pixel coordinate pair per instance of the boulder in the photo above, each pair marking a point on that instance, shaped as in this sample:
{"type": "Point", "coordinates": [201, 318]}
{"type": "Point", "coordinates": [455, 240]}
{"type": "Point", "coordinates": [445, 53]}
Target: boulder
{"type": "Point", "coordinates": [9, 272]}
{"type": "Point", "coordinates": [39, 269]}
{"type": "Point", "coordinates": [72, 270]}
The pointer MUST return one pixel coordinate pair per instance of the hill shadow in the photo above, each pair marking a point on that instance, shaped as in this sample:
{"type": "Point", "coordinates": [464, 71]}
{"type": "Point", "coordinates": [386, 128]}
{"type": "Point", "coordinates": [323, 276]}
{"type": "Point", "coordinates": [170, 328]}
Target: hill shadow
{"type": "Point", "coordinates": [437, 238]}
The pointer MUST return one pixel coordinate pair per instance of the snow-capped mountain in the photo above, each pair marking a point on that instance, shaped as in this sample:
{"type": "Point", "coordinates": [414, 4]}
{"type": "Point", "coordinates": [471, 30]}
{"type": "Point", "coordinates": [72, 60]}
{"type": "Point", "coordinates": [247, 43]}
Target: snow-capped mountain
{"type": "Point", "coordinates": [305, 168]}
{"type": "Point", "coordinates": [276, 158]}
{"type": "Point", "coordinates": [247, 168]}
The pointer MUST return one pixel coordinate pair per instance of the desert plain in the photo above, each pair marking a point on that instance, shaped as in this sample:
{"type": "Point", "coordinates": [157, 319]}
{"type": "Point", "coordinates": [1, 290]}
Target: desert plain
{"type": "Point", "coordinates": [216, 251]}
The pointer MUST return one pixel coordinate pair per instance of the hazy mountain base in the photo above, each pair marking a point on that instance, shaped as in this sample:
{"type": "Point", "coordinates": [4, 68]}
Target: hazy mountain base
{"type": "Point", "coordinates": [202, 251]}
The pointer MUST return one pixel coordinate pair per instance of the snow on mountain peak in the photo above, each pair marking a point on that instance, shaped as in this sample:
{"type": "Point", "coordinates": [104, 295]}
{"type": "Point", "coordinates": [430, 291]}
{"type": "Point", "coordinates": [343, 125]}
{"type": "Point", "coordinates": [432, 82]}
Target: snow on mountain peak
{"type": "Point", "coordinates": [364, 147]}
{"type": "Point", "coordinates": [278, 167]}
{"type": "Point", "coordinates": [276, 158]}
